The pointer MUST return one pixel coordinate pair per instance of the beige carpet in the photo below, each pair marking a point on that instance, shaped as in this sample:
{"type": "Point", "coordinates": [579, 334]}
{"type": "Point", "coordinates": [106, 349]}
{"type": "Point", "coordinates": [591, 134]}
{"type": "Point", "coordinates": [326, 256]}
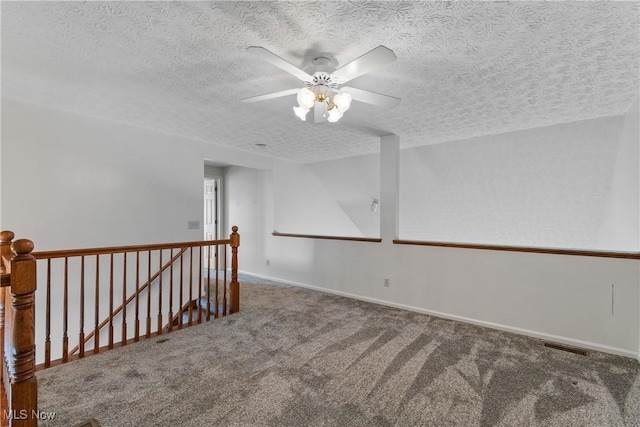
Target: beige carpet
{"type": "Point", "coordinates": [295, 357]}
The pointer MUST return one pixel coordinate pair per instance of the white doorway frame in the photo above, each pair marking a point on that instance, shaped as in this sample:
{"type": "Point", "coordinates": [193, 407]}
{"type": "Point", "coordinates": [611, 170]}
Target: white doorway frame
{"type": "Point", "coordinates": [213, 208]}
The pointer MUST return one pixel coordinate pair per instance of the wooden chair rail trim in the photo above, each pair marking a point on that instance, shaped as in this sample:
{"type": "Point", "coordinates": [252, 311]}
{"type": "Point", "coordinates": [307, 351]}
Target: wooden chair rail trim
{"type": "Point", "coordinates": [556, 251]}
{"type": "Point", "coordinates": [313, 236]}
{"type": "Point", "coordinates": [120, 249]}
{"type": "Point", "coordinates": [130, 298]}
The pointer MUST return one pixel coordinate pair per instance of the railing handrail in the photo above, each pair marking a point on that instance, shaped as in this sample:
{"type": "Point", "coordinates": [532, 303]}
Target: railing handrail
{"type": "Point", "coordinates": [120, 249]}
{"type": "Point", "coordinates": [530, 249]}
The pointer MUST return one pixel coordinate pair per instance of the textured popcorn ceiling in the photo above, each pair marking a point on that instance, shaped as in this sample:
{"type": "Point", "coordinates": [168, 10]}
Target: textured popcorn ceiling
{"type": "Point", "coordinates": [464, 69]}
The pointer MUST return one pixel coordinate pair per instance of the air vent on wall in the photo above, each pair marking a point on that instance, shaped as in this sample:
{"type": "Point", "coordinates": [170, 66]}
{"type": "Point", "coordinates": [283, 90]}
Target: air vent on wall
{"type": "Point", "coordinates": [566, 348]}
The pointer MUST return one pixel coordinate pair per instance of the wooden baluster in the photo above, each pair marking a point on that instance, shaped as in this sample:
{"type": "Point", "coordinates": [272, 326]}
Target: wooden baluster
{"type": "Point", "coordinates": [149, 296]}
{"type": "Point", "coordinates": [217, 302]}
{"type": "Point", "coordinates": [159, 292]}
{"type": "Point", "coordinates": [124, 299]}
{"type": "Point", "coordinates": [96, 330]}
{"type": "Point", "coordinates": [171, 291]}
{"type": "Point", "coordinates": [2, 296]}
{"type": "Point", "coordinates": [235, 286]}
{"type": "Point", "coordinates": [208, 283]}
{"type": "Point", "coordinates": [224, 289]}
{"type": "Point", "coordinates": [191, 286]}
{"type": "Point", "coordinates": [23, 388]}
{"type": "Point", "coordinates": [110, 345]}
{"type": "Point", "coordinates": [181, 299]}
{"type": "Point", "coordinates": [200, 285]}
{"type": "Point", "coordinates": [5, 252]}
{"type": "Point", "coordinates": [137, 334]}
{"type": "Point", "coordinates": [47, 321]}
{"type": "Point", "coordinates": [3, 390]}
{"type": "Point", "coordinates": [65, 312]}
{"type": "Point", "coordinates": [81, 336]}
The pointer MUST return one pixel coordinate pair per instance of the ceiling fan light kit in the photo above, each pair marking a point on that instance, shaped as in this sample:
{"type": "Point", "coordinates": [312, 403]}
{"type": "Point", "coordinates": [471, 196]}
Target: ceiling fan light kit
{"type": "Point", "coordinates": [306, 98]}
{"type": "Point", "coordinates": [322, 91]}
{"type": "Point", "coordinates": [335, 105]}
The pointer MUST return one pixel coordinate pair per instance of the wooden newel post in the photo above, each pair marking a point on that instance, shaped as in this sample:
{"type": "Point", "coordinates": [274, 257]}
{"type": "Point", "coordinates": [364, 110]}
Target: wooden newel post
{"type": "Point", "coordinates": [5, 253]}
{"type": "Point", "coordinates": [234, 286]}
{"type": "Point", "coordinates": [20, 350]}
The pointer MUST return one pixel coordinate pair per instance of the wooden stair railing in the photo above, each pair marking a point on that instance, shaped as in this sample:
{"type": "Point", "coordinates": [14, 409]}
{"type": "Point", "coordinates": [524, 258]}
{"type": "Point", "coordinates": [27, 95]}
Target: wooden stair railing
{"type": "Point", "coordinates": [116, 268]}
{"type": "Point", "coordinates": [17, 324]}
{"type": "Point", "coordinates": [18, 279]}
{"type": "Point", "coordinates": [129, 299]}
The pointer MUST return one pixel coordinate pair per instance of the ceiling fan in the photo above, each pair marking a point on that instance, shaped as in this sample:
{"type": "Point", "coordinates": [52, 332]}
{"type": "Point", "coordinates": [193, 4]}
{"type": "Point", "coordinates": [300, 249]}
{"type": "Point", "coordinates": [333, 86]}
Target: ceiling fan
{"type": "Point", "coordinates": [323, 91]}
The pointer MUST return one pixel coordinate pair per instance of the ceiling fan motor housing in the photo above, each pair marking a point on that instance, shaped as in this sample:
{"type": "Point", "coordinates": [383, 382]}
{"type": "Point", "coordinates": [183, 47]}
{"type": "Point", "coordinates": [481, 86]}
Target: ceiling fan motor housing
{"type": "Point", "coordinates": [322, 79]}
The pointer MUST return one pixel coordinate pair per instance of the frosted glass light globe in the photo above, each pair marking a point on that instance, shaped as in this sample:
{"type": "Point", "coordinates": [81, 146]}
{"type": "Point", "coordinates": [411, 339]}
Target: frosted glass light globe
{"type": "Point", "coordinates": [334, 115]}
{"type": "Point", "coordinates": [301, 113]}
{"type": "Point", "coordinates": [306, 98]}
{"type": "Point", "coordinates": [343, 101]}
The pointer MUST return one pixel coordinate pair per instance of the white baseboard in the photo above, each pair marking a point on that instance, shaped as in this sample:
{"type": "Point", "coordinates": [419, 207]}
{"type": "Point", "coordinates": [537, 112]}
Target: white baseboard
{"type": "Point", "coordinates": [519, 331]}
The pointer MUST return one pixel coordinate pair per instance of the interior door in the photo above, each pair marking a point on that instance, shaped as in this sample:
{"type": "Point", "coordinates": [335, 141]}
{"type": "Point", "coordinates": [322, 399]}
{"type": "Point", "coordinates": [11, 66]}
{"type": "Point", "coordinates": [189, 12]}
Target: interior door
{"type": "Point", "coordinates": [211, 210]}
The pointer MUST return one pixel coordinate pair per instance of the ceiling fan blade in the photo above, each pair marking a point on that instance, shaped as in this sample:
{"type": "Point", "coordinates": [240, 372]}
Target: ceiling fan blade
{"type": "Point", "coordinates": [271, 95]}
{"type": "Point", "coordinates": [369, 61]}
{"type": "Point", "coordinates": [378, 99]}
{"type": "Point", "coordinates": [279, 62]}
{"type": "Point", "coordinates": [318, 112]}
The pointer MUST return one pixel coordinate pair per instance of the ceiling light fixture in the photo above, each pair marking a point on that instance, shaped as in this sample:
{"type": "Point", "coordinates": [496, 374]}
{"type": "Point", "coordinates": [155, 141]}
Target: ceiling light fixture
{"type": "Point", "coordinates": [335, 103]}
{"type": "Point", "coordinates": [322, 89]}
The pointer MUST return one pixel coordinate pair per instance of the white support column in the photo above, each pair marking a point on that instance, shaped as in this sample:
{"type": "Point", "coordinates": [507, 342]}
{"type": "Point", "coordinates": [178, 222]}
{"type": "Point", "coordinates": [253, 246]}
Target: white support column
{"type": "Point", "coordinates": [389, 187]}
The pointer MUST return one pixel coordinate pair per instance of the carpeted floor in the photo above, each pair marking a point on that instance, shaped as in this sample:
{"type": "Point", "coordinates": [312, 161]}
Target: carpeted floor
{"type": "Point", "coordinates": [295, 357]}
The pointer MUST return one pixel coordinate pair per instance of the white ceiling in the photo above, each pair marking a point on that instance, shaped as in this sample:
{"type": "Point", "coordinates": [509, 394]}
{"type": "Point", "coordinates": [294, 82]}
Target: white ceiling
{"type": "Point", "coordinates": [464, 69]}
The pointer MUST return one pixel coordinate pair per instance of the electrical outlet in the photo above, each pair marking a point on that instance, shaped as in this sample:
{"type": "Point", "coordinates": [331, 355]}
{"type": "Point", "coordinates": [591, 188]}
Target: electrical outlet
{"type": "Point", "coordinates": [387, 282]}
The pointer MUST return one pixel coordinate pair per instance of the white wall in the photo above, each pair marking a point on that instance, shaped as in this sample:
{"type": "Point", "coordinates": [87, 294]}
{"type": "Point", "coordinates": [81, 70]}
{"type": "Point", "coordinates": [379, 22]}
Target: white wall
{"type": "Point", "coordinates": [304, 204]}
{"type": "Point", "coordinates": [213, 171]}
{"type": "Point", "coordinates": [353, 183]}
{"type": "Point", "coordinates": [620, 228]}
{"type": "Point", "coordinates": [556, 297]}
{"type": "Point", "coordinates": [329, 198]}
{"type": "Point", "coordinates": [542, 187]}
{"type": "Point", "coordinates": [244, 201]}
{"type": "Point", "coordinates": [70, 181]}
{"type": "Point", "coordinates": [0, 166]}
